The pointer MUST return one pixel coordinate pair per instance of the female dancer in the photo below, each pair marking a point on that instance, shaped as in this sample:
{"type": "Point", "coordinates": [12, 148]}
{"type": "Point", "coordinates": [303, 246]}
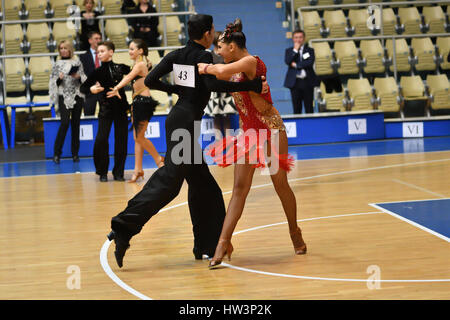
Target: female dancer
{"type": "Point", "coordinates": [143, 106]}
{"type": "Point", "coordinates": [64, 90]}
{"type": "Point", "coordinates": [256, 112]}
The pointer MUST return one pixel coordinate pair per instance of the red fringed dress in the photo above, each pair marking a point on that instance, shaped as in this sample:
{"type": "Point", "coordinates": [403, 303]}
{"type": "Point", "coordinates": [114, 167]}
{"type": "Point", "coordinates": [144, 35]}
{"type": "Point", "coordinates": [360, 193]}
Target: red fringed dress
{"type": "Point", "coordinates": [258, 119]}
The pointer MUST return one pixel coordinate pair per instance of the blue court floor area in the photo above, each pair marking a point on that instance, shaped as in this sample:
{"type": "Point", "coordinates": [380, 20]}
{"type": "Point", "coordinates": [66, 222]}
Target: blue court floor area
{"type": "Point", "coordinates": [432, 216]}
{"type": "Point", "coordinates": [302, 152]}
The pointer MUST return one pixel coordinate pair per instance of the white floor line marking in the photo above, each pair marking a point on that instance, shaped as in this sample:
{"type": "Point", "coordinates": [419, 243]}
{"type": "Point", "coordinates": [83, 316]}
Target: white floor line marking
{"type": "Point", "coordinates": [410, 222]}
{"type": "Point", "coordinates": [123, 285]}
{"type": "Point", "coordinates": [113, 276]}
{"type": "Point", "coordinates": [418, 188]}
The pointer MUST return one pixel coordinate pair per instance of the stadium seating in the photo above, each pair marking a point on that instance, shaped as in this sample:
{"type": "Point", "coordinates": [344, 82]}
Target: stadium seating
{"type": "Point", "coordinates": [423, 49]}
{"type": "Point", "coordinates": [413, 92]}
{"type": "Point", "coordinates": [401, 54]}
{"type": "Point", "coordinates": [117, 31]}
{"type": "Point", "coordinates": [174, 29]}
{"type": "Point", "coordinates": [35, 9]}
{"type": "Point", "coordinates": [111, 7]}
{"type": "Point", "coordinates": [323, 56]}
{"type": "Point", "coordinates": [443, 44]}
{"type": "Point", "coordinates": [15, 72]}
{"type": "Point", "coordinates": [13, 38]}
{"type": "Point", "coordinates": [372, 53]}
{"type": "Point", "coordinates": [38, 36]}
{"type": "Point", "coordinates": [360, 94]}
{"type": "Point", "coordinates": [435, 18]}
{"type": "Point", "coordinates": [410, 18]}
{"type": "Point", "coordinates": [347, 55]}
{"type": "Point", "coordinates": [40, 69]}
{"type": "Point", "coordinates": [439, 90]}
{"type": "Point", "coordinates": [12, 9]}
{"type": "Point", "coordinates": [311, 24]}
{"type": "Point", "coordinates": [358, 19]}
{"type": "Point", "coordinates": [60, 8]}
{"type": "Point", "coordinates": [387, 94]}
{"type": "Point", "coordinates": [336, 23]}
{"type": "Point", "coordinates": [333, 101]}
{"type": "Point", "coordinates": [389, 21]}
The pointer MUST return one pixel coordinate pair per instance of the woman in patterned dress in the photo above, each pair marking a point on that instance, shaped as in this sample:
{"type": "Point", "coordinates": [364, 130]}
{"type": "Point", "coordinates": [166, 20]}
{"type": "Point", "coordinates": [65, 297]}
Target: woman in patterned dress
{"type": "Point", "coordinates": [64, 91]}
{"type": "Point", "coordinates": [258, 115]}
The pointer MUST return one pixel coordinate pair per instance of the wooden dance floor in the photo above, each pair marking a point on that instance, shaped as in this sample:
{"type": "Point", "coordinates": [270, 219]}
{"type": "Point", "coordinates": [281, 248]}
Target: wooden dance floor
{"type": "Point", "coordinates": [53, 237]}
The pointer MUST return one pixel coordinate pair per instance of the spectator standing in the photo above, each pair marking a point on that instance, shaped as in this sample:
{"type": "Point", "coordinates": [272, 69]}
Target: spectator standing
{"type": "Point", "coordinates": [91, 61]}
{"type": "Point", "coordinates": [89, 23]}
{"type": "Point", "coordinates": [145, 28]}
{"type": "Point", "coordinates": [64, 90]}
{"type": "Point", "coordinates": [300, 77]}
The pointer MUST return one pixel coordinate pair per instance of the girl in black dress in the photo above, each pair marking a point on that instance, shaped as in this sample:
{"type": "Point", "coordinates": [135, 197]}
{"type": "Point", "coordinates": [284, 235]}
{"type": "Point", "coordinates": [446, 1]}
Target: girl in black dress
{"type": "Point", "coordinates": [143, 106]}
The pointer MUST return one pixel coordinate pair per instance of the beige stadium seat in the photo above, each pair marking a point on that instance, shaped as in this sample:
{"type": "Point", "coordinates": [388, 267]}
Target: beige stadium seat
{"type": "Point", "coordinates": [423, 49]}
{"type": "Point", "coordinates": [414, 95]}
{"type": "Point", "coordinates": [123, 57]}
{"type": "Point", "coordinates": [300, 3]}
{"type": "Point", "coordinates": [13, 38]}
{"type": "Point", "coordinates": [358, 19]}
{"type": "Point", "coordinates": [435, 18]}
{"type": "Point", "coordinates": [162, 98]}
{"type": "Point", "coordinates": [372, 52]}
{"type": "Point", "coordinates": [112, 6]}
{"type": "Point", "coordinates": [412, 88]}
{"type": "Point", "coordinates": [60, 8]}
{"type": "Point", "coordinates": [116, 30]}
{"type": "Point", "coordinates": [311, 24]}
{"type": "Point", "coordinates": [360, 91]}
{"type": "Point", "coordinates": [443, 43]}
{"type": "Point", "coordinates": [11, 10]}
{"type": "Point", "coordinates": [38, 35]}
{"type": "Point", "coordinates": [61, 31]}
{"type": "Point", "coordinates": [336, 23]}
{"type": "Point", "coordinates": [332, 101]}
{"type": "Point", "coordinates": [153, 57]}
{"type": "Point", "coordinates": [36, 8]}
{"type": "Point", "coordinates": [350, 1]}
{"type": "Point", "coordinates": [439, 89]}
{"type": "Point", "coordinates": [173, 30]}
{"type": "Point", "coordinates": [347, 55]}
{"type": "Point", "coordinates": [389, 21]}
{"type": "Point", "coordinates": [40, 69]}
{"type": "Point", "coordinates": [410, 18]}
{"type": "Point", "coordinates": [323, 58]}
{"type": "Point", "coordinates": [166, 5]}
{"type": "Point", "coordinates": [387, 92]}
{"type": "Point", "coordinates": [401, 53]}
{"type": "Point", "coordinates": [15, 71]}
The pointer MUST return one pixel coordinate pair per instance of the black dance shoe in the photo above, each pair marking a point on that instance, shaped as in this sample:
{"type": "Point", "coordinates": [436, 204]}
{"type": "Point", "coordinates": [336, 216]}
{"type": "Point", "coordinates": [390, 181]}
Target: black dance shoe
{"type": "Point", "coordinates": [199, 254]}
{"type": "Point", "coordinates": [122, 246]}
{"type": "Point", "coordinates": [56, 159]}
{"type": "Point", "coordinates": [103, 178]}
{"type": "Point", "coordinates": [119, 178]}
{"type": "Point", "coordinates": [76, 159]}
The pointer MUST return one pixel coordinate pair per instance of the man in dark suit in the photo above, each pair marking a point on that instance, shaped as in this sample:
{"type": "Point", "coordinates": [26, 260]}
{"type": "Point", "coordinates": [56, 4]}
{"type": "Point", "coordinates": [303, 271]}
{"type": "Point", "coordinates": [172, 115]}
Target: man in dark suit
{"type": "Point", "coordinates": [91, 62]}
{"type": "Point", "coordinates": [300, 78]}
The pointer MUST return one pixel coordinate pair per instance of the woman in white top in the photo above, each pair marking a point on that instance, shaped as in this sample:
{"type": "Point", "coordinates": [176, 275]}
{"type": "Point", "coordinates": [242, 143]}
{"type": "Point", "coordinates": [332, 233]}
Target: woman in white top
{"type": "Point", "coordinates": [64, 90]}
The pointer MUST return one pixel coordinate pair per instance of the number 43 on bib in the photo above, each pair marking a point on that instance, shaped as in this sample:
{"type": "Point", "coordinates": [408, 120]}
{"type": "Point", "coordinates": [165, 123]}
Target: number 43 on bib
{"type": "Point", "coordinates": [184, 75]}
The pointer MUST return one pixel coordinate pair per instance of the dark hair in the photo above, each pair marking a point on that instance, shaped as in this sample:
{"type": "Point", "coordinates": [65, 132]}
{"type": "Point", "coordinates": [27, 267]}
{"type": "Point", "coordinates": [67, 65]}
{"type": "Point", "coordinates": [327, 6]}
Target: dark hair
{"type": "Point", "coordinates": [91, 33]}
{"type": "Point", "coordinates": [217, 35]}
{"type": "Point", "coordinates": [109, 44]}
{"type": "Point", "coordinates": [199, 24]}
{"type": "Point", "coordinates": [298, 31]}
{"type": "Point", "coordinates": [233, 33]}
{"type": "Point", "coordinates": [141, 44]}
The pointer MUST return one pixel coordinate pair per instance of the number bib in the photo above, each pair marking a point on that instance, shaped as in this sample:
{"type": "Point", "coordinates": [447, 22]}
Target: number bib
{"type": "Point", "coordinates": [184, 75]}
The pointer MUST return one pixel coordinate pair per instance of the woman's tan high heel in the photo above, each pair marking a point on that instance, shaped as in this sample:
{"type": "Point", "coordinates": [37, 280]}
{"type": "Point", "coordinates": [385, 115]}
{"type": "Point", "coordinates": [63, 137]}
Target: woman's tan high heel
{"type": "Point", "coordinates": [215, 262]}
{"type": "Point", "coordinates": [136, 176]}
{"type": "Point", "coordinates": [297, 241]}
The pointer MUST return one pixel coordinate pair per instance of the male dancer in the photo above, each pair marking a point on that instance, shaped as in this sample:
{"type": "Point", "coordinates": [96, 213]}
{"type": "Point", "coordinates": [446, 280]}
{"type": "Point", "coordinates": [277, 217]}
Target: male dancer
{"type": "Point", "coordinates": [108, 75]}
{"type": "Point", "coordinates": [206, 203]}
